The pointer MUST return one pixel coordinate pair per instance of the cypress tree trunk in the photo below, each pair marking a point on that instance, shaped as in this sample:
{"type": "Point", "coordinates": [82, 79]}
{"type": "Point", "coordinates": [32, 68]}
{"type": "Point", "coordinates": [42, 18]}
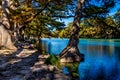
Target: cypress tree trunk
{"type": "Point", "coordinates": [6, 25]}
{"type": "Point", "coordinates": [71, 52]}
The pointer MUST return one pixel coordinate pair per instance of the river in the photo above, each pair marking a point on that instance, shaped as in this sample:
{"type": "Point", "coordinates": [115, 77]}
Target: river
{"type": "Point", "coordinates": [102, 57]}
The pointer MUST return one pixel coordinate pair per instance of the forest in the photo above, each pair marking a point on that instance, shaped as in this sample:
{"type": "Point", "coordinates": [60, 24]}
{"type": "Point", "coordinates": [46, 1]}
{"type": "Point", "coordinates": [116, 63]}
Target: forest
{"type": "Point", "coordinates": [94, 28]}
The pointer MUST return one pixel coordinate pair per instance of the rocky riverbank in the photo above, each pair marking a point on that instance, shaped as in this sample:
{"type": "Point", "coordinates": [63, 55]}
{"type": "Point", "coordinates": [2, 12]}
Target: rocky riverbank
{"type": "Point", "coordinates": [27, 64]}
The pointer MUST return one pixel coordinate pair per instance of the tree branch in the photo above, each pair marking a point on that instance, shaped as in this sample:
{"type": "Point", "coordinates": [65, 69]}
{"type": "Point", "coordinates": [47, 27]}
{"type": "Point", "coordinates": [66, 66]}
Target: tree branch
{"type": "Point", "coordinates": [34, 16]}
{"type": "Point", "coordinates": [31, 18]}
{"type": "Point", "coordinates": [63, 16]}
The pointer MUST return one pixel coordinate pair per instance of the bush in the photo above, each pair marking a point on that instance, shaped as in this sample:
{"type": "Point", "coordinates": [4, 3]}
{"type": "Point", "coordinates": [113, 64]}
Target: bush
{"type": "Point", "coordinates": [52, 59]}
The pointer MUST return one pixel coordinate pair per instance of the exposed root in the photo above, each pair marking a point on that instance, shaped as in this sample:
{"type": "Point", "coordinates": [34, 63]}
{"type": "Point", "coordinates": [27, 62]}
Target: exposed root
{"type": "Point", "coordinates": [71, 54]}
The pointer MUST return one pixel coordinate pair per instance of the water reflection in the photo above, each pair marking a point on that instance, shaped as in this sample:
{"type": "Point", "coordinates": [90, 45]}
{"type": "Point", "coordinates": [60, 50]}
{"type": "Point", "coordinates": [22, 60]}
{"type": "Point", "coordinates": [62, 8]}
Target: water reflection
{"type": "Point", "coordinates": [102, 58]}
{"type": "Point", "coordinates": [99, 70]}
{"type": "Point", "coordinates": [53, 45]}
{"type": "Point", "coordinates": [102, 62]}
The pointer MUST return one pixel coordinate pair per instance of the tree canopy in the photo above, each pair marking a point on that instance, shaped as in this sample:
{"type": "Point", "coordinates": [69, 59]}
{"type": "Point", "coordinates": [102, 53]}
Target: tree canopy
{"type": "Point", "coordinates": [43, 17]}
{"type": "Point", "coordinates": [96, 21]}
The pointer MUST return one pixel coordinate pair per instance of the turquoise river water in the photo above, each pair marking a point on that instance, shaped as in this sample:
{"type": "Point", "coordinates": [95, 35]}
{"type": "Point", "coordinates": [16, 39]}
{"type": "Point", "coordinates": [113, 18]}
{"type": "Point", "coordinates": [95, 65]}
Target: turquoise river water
{"type": "Point", "coordinates": [102, 57]}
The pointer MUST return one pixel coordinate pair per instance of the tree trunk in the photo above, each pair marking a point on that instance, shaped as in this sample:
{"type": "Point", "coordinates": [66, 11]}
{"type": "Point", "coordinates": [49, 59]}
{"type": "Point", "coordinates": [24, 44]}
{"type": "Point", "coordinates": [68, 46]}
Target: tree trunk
{"type": "Point", "coordinates": [71, 52]}
{"type": "Point", "coordinates": [39, 44]}
{"type": "Point", "coordinates": [6, 26]}
{"type": "Point", "coordinates": [5, 39]}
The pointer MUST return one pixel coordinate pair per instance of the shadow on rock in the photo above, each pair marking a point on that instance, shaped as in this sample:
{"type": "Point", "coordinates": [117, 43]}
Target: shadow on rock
{"type": "Point", "coordinates": [19, 66]}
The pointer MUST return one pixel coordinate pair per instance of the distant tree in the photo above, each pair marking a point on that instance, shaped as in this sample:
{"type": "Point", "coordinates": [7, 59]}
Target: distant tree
{"type": "Point", "coordinates": [92, 28]}
{"type": "Point", "coordinates": [116, 17]}
{"type": "Point", "coordinates": [65, 33]}
{"type": "Point", "coordinates": [96, 12]}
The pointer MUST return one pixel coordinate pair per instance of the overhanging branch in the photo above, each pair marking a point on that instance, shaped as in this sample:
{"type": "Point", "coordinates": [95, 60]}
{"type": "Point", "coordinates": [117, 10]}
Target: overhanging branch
{"type": "Point", "coordinates": [63, 16]}
{"type": "Point", "coordinates": [31, 18]}
{"type": "Point", "coordinates": [34, 16]}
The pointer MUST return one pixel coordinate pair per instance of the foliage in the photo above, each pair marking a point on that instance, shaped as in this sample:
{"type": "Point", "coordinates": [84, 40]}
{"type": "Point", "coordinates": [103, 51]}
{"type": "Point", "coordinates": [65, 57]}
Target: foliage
{"type": "Point", "coordinates": [117, 19]}
{"type": "Point", "coordinates": [95, 28]}
{"type": "Point", "coordinates": [52, 59]}
{"type": "Point", "coordinates": [70, 68]}
{"type": "Point", "coordinates": [97, 8]}
{"type": "Point", "coordinates": [73, 69]}
{"type": "Point", "coordinates": [66, 32]}
{"type": "Point", "coordinates": [27, 10]}
{"type": "Point", "coordinates": [40, 17]}
{"type": "Point", "coordinates": [95, 22]}
{"type": "Point", "coordinates": [22, 14]}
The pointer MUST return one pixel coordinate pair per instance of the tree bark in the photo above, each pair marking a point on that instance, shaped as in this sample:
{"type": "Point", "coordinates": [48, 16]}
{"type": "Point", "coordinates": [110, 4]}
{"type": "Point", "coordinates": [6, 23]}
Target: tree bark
{"type": "Point", "coordinates": [71, 53]}
{"type": "Point", "coordinates": [6, 25]}
{"type": "Point", "coordinates": [5, 39]}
